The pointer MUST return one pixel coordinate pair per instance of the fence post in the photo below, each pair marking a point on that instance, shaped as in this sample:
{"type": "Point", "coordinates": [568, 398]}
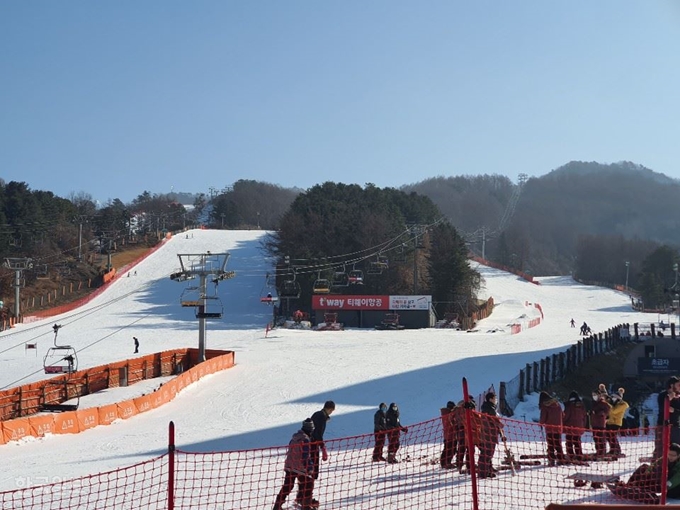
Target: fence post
{"type": "Point", "coordinates": [171, 466]}
{"type": "Point", "coordinates": [471, 445]}
{"type": "Point", "coordinates": [522, 377]}
{"type": "Point", "coordinates": [536, 375]}
{"type": "Point", "coordinates": [529, 377]}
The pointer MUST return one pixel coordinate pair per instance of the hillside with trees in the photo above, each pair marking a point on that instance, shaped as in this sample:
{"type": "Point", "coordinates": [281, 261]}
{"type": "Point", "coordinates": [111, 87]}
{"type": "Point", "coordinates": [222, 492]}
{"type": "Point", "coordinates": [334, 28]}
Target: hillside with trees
{"type": "Point", "coordinates": [399, 241]}
{"type": "Point", "coordinates": [612, 224]}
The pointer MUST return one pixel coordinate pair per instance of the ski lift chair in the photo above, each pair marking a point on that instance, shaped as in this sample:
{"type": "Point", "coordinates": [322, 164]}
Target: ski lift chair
{"type": "Point", "coordinates": [321, 286]}
{"type": "Point", "coordinates": [213, 308]}
{"type": "Point", "coordinates": [60, 407]}
{"type": "Point", "coordinates": [340, 279]}
{"type": "Point", "coordinates": [400, 254]}
{"type": "Point", "coordinates": [356, 277]}
{"type": "Point", "coordinates": [374, 268]}
{"type": "Point", "coordinates": [269, 298]}
{"type": "Point", "coordinates": [60, 359]}
{"type": "Point", "coordinates": [190, 297]}
{"type": "Point", "coordinates": [290, 290]}
{"type": "Point", "coordinates": [378, 266]}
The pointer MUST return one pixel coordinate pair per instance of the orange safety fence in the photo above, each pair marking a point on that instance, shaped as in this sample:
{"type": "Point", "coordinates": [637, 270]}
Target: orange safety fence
{"type": "Point", "coordinates": [20, 406]}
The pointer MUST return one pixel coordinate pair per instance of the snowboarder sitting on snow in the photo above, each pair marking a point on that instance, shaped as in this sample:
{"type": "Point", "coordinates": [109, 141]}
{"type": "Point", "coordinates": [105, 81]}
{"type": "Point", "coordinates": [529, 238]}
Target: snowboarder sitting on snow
{"type": "Point", "coordinates": [394, 430]}
{"type": "Point", "coordinates": [645, 481]}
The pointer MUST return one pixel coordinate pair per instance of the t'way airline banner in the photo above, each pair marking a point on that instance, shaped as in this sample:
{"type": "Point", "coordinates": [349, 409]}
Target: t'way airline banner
{"type": "Point", "coordinates": [340, 302]}
{"type": "Point", "coordinates": [350, 302]}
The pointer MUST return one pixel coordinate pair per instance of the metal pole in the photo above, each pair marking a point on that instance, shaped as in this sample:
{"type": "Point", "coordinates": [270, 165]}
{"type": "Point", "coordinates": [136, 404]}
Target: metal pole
{"type": "Point", "coordinates": [17, 294]}
{"type": "Point", "coordinates": [80, 241]}
{"type": "Point", "coordinates": [483, 243]}
{"type": "Point", "coordinates": [627, 270]}
{"type": "Point", "coordinates": [171, 466]}
{"type": "Point", "coordinates": [202, 320]}
{"type": "Point", "coordinates": [415, 267]}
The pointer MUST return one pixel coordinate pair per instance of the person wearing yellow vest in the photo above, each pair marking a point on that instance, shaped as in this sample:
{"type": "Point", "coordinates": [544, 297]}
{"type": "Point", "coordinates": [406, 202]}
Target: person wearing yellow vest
{"type": "Point", "coordinates": [615, 421]}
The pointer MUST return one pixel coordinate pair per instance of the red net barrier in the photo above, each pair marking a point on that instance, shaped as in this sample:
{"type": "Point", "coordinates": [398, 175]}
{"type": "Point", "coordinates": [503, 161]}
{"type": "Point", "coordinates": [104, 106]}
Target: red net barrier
{"type": "Point", "coordinates": [523, 476]}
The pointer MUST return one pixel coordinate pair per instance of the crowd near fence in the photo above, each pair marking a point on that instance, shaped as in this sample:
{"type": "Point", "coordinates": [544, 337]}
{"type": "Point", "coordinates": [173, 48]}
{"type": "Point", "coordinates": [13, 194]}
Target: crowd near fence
{"type": "Point", "coordinates": [523, 476]}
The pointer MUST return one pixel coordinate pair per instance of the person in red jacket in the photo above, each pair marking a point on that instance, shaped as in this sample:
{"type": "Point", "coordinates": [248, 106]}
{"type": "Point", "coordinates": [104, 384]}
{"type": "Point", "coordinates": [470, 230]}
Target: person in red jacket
{"type": "Point", "coordinates": [449, 432]}
{"type": "Point", "coordinates": [299, 466]}
{"type": "Point", "coordinates": [551, 417]}
{"type": "Point", "coordinates": [574, 422]}
{"type": "Point", "coordinates": [598, 422]}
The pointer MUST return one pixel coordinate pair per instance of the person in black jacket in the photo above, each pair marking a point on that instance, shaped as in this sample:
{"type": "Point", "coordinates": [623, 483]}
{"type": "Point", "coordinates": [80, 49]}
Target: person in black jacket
{"type": "Point", "coordinates": [380, 431]}
{"type": "Point", "coordinates": [394, 430]}
{"type": "Point", "coordinates": [672, 394]}
{"type": "Point", "coordinates": [319, 418]}
{"type": "Point", "coordinates": [492, 428]}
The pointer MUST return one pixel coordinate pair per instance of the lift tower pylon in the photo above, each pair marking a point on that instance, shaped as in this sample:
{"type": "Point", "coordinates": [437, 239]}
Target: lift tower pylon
{"type": "Point", "coordinates": [204, 266]}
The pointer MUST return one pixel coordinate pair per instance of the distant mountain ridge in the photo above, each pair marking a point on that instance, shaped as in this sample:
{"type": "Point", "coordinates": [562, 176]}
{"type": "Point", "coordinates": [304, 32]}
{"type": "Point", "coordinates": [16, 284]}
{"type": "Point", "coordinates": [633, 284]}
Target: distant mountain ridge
{"type": "Point", "coordinates": [555, 210]}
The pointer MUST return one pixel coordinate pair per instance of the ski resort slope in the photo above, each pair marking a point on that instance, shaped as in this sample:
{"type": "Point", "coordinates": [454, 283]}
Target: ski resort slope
{"type": "Point", "coordinates": [284, 377]}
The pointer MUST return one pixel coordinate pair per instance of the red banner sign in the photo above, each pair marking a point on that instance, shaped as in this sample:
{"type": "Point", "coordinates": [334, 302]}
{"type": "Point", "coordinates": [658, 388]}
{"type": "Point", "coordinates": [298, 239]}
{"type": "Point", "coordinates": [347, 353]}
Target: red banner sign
{"type": "Point", "coordinates": [339, 302]}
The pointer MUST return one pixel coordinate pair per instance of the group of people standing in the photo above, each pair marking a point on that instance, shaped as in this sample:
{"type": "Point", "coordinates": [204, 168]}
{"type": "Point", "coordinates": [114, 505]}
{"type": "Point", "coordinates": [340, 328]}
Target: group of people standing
{"type": "Point", "coordinates": [486, 428]}
{"type": "Point", "coordinates": [387, 425]}
{"type": "Point", "coordinates": [606, 419]}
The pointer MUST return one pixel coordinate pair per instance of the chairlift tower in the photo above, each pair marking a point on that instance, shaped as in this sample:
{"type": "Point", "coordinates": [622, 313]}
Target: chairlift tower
{"type": "Point", "coordinates": [18, 265]}
{"type": "Point", "coordinates": [204, 266]}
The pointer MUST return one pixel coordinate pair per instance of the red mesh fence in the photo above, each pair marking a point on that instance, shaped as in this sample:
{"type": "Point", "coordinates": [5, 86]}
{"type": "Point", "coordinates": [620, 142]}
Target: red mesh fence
{"type": "Point", "coordinates": [350, 479]}
{"type": "Point", "coordinates": [142, 486]}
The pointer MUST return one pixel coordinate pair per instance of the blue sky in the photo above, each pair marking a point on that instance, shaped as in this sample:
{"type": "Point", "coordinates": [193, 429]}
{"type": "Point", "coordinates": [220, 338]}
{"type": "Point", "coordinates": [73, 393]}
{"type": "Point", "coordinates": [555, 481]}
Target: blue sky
{"type": "Point", "coordinates": [114, 98]}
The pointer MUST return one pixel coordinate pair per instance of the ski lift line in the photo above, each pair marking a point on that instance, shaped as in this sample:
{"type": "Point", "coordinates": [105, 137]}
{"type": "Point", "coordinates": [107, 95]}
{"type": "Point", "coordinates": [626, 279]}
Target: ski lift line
{"type": "Point", "coordinates": [80, 350]}
{"type": "Point", "coordinates": [375, 250]}
{"type": "Point", "coordinates": [388, 246]}
{"type": "Point", "coordinates": [77, 316]}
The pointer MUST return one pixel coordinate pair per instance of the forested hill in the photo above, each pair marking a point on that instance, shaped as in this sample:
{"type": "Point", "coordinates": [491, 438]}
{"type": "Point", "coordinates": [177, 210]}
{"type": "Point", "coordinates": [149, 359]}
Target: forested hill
{"type": "Point", "coordinates": [553, 212]}
{"type": "Point", "coordinates": [598, 221]}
